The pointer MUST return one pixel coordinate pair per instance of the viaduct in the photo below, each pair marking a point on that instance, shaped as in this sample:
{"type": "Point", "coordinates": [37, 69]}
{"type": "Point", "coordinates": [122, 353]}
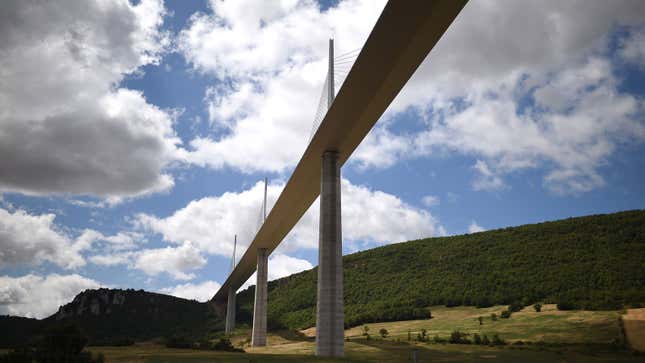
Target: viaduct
{"type": "Point", "coordinates": [403, 36]}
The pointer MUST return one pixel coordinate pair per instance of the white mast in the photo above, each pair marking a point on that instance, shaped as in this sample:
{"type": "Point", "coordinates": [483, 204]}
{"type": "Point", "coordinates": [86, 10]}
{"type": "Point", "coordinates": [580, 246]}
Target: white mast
{"type": "Point", "coordinates": [330, 76]}
{"type": "Point", "coordinates": [265, 201]}
{"type": "Point", "coordinates": [234, 247]}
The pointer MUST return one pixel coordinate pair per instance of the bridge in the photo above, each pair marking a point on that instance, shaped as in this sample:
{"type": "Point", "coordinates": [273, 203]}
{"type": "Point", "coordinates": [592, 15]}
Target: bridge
{"type": "Point", "coordinates": [403, 36]}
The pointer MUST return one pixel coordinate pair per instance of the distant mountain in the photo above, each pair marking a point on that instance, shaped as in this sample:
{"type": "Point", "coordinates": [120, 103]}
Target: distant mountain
{"type": "Point", "coordinates": [594, 262]}
{"type": "Point", "coordinates": [110, 316]}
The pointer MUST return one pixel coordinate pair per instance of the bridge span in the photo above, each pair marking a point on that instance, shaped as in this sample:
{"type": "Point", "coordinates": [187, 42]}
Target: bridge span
{"type": "Point", "coordinates": [403, 36]}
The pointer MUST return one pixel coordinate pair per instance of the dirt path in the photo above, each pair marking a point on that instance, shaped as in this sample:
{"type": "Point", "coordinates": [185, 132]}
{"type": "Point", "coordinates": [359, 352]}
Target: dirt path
{"type": "Point", "coordinates": [634, 322]}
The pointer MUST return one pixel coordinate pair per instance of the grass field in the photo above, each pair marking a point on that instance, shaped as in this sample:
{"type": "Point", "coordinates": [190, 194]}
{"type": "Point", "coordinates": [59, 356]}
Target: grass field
{"type": "Point", "coordinates": [569, 336]}
{"type": "Point", "coordinates": [634, 322]}
{"type": "Point", "coordinates": [364, 351]}
{"type": "Point", "coordinates": [550, 325]}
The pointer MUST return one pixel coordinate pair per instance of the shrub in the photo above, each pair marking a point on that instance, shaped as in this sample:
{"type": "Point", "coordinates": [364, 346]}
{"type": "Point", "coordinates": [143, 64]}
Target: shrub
{"type": "Point", "coordinates": [59, 345]}
{"type": "Point", "coordinates": [422, 336]}
{"type": "Point", "coordinates": [457, 337]}
{"type": "Point", "coordinates": [566, 305]}
{"type": "Point", "coordinates": [485, 340]}
{"type": "Point", "coordinates": [497, 340]}
{"type": "Point", "coordinates": [484, 302]}
{"type": "Point", "coordinates": [493, 317]}
{"type": "Point", "coordinates": [477, 339]}
{"type": "Point", "coordinates": [481, 320]}
{"type": "Point", "coordinates": [438, 339]}
{"type": "Point", "coordinates": [515, 307]}
{"type": "Point", "coordinates": [224, 344]}
{"type": "Point", "coordinates": [114, 342]}
{"type": "Point", "coordinates": [365, 329]}
{"type": "Point", "coordinates": [505, 314]}
{"type": "Point", "coordinates": [383, 332]}
{"type": "Point", "coordinates": [65, 341]}
{"type": "Point", "coordinates": [179, 342]}
{"type": "Point", "coordinates": [537, 307]}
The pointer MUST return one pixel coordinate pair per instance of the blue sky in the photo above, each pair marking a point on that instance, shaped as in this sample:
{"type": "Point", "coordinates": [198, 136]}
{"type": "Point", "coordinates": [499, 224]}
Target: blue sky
{"type": "Point", "coordinates": [135, 142]}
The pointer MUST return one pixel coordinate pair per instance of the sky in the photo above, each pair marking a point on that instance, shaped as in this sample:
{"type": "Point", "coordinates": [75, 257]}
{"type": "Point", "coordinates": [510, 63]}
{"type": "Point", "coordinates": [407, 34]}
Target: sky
{"type": "Point", "coordinates": [135, 136]}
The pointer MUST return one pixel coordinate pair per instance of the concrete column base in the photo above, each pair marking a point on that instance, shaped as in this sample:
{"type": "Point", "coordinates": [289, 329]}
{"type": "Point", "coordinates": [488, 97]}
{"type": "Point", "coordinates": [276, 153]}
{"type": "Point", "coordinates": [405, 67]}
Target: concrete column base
{"type": "Point", "coordinates": [259, 335]}
{"type": "Point", "coordinates": [230, 312]}
{"type": "Point", "coordinates": [330, 317]}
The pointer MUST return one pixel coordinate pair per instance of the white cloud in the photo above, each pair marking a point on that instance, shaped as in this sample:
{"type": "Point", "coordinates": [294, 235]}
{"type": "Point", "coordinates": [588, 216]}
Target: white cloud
{"type": "Point", "coordinates": [175, 261]}
{"type": "Point", "coordinates": [633, 47]}
{"type": "Point", "coordinates": [472, 93]}
{"type": "Point", "coordinates": [486, 179]}
{"type": "Point", "coordinates": [65, 127]}
{"type": "Point", "coordinates": [430, 200]}
{"type": "Point", "coordinates": [381, 149]}
{"type": "Point", "coordinates": [369, 218]}
{"type": "Point", "coordinates": [202, 291]}
{"type": "Point", "coordinates": [40, 296]}
{"type": "Point", "coordinates": [124, 240]}
{"type": "Point", "coordinates": [212, 222]}
{"type": "Point", "coordinates": [574, 121]}
{"type": "Point", "coordinates": [114, 258]}
{"type": "Point", "coordinates": [474, 228]}
{"type": "Point", "coordinates": [34, 239]}
{"type": "Point", "coordinates": [280, 265]}
{"type": "Point", "coordinates": [272, 56]}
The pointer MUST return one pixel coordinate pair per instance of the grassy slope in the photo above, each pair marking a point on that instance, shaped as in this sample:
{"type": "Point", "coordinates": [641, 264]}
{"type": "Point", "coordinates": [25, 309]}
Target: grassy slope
{"type": "Point", "coordinates": [550, 325]}
{"type": "Point", "coordinates": [594, 262]}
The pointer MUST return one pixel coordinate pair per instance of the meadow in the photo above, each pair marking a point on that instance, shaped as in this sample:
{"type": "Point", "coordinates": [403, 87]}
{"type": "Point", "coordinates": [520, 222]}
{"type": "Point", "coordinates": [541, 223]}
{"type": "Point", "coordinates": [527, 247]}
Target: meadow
{"type": "Point", "coordinates": [547, 336]}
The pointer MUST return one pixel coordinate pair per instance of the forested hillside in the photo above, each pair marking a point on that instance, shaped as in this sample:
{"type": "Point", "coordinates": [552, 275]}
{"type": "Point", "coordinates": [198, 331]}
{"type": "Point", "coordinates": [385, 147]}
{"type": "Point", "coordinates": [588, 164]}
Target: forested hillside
{"type": "Point", "coordinates": [594, 262]}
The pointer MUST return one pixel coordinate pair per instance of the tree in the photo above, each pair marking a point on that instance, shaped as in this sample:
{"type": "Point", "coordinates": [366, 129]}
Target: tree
{"type": "Point", "coordinates": [515, 307]}
{"type": "Point", "coordinates": [481, 320]}
{"type": "Point", "coordinates": [477, 339]}
{"type": "Point", "coordinates": [566, 305]}
{"type": "Point", "coordinates": [422, 336]}
{"type": "Point", "coordinates": [505, 314]}
{"type": "Point", "coordinates": [537, 307]}
{"type": "Point", "coordinates": [383, 332]}
{"type": "Point", "coordinates": [497, 340]}
{"type": "Point", "coordinates": [457, 337]}
{"type": "Point", "coordinates": [485, 340]}
{"type": "Point", "coordinates": [365, 330]}
{"type": "Point", "coordinates": [493, 317]}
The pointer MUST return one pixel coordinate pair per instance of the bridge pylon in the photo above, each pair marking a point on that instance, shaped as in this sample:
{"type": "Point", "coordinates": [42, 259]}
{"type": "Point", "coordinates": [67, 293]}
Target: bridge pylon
{"type": "Point", "coordinates": [330, 317]}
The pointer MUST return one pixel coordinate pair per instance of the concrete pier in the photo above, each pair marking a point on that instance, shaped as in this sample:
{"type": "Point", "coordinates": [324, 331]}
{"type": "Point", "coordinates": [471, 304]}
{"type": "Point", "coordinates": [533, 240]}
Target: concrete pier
{"type": "Point", "coordinates": [259, 335]}
{"type": "Point", "coordinates": [230, 312]}
{"type": "Point", "coordinates": [329, 308]}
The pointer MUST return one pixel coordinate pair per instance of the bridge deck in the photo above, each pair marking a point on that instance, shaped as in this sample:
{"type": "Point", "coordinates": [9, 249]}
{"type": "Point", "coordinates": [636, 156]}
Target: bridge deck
{"type": "Point", "coordinates": [403, 36]}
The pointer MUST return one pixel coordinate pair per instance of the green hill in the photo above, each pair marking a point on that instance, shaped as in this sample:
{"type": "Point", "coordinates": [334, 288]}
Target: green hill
{"type": "Point", "coordinates": [594, 262]}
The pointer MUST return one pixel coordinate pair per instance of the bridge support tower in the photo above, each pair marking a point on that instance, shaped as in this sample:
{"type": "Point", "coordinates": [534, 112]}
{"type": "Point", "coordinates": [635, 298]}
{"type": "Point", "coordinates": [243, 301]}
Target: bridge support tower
{"type": "Point", "coordinates": [330, 316]}
{"type": "Point", "coordinates": [230, 312]}
{"type": "Point", "coordinates": [259, 336]}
